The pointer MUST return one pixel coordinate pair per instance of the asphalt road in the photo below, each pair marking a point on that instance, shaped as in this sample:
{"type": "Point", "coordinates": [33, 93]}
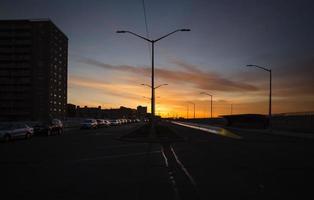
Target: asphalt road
{"type": "Point", "coordinates": [93, 164]}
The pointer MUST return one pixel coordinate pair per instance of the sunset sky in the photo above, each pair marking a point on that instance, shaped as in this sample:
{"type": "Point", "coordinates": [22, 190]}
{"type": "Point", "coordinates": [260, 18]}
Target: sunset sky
{"type": "Point", "coordinates": [107, 69]}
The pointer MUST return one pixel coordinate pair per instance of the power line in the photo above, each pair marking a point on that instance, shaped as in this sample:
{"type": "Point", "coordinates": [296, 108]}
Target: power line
{"type": "Point", "coordinates": [145, 17]}
{"type": "Point", "coordinates": [146, 25]}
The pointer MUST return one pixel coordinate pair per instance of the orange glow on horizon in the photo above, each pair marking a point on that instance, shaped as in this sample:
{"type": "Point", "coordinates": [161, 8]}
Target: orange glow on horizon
{"type": "Point", "coordinates": [172, 101]}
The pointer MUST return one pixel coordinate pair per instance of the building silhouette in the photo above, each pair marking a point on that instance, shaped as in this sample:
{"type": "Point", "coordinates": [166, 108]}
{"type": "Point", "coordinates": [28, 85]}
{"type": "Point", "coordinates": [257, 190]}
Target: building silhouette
{"type": "Point", "coordinates": [33, 70]}
{"type": "Point", "coordinates": [141, 111]}
{"type": "Point", "coordinates": [112, 113]}
{"type": "Point", "coordinates": [71, 110]}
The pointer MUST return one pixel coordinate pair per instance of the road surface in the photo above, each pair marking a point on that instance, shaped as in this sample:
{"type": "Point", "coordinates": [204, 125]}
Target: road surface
{"type": "Point", "coordinates": [93, 164]}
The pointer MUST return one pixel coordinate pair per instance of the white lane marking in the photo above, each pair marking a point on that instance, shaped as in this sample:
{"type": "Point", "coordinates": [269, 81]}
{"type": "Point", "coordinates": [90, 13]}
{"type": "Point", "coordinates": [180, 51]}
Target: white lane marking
{"type": "Point", "coordinates": [186, 172]}
{"type": "Point", "coordinates": [171, 176]}
{"type": "Point", "coordinates": [163, 155]}
{"type": "Point", "coordinates": [211, 129]}
{"type": "Point", "coordinates": [113, 156]}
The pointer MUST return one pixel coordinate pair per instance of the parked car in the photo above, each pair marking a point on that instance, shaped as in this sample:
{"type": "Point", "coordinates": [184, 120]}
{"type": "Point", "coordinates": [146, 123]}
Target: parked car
{"type": "Point", "coordinates": [55, 126]}
{"type": "Point", "coordinates": [107, 121]}
{"type": "Point", "coordinates": [101, 123]}
{"type": "Point", "coordinates": [9, 131]}
{"type": "Point", "coordinates": [119, 121]}
{"type": "Point", "coordinates": [114, 122]}
{"type": "Point", "coordinates": [89, 124]}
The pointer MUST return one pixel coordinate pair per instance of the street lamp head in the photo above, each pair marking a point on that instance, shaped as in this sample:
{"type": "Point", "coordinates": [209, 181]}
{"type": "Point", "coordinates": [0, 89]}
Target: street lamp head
{"type": "Point", "coordinates": [120, 31]}
{"type": "Point", "coordinates": [185, 29]}
{"type": "Point", "coordinates": [250, 65]}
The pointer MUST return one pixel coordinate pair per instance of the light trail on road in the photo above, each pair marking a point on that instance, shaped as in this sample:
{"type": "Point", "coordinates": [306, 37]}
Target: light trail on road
{"type": "Point", "coordinates": [210, 129]}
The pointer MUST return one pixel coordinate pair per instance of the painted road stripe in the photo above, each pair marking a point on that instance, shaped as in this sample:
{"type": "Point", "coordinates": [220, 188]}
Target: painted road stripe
{"type": "Point", "coordinates": [210, 129]}
{"type": "Point", "coordinates": [171, 176]}
{"type": "Point", "coordinates": [186, 172]}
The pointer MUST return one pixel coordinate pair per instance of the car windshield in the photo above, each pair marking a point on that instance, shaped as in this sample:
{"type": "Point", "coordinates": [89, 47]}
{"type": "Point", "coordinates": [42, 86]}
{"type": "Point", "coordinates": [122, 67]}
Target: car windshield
{"type": "Point", "coordinates": [19, 125]}
{"type": "Point", "coordinates": [56, 121]}
{"type": "Point", "coordinates": [40, 124]}
{"type": "Point", "coordinates": [5, 126]}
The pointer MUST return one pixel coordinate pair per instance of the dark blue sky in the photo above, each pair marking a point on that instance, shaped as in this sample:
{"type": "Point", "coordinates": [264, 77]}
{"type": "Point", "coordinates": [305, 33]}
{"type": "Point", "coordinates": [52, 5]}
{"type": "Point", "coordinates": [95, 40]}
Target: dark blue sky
{"type": "Point", "coordinates": [225, 36]}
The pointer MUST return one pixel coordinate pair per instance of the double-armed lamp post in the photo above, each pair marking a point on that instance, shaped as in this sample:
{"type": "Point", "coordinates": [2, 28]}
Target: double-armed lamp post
{"type": "Point", "coordinates": [270, 89]}
{"type": "Point", "coordinates": [152, 86]}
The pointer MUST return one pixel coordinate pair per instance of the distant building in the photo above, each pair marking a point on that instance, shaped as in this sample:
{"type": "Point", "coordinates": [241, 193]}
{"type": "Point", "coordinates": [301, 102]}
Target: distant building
{"type": "Point", "coordinates": [89, 112]}
{"type": "Point", "coordinates": [112, 113]}
{"type": "Point", "coordinates": [71, 110]}
{"type": "Point", "coordinates": [119, 113]}
{"type": "Point", "coordinates": [33, 70]}
{"type": "Point", "coordinates": [141, 111]}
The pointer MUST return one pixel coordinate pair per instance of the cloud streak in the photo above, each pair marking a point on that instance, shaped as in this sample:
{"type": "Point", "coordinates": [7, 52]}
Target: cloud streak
{"type": "Point", "coordinates": [290, 78]}
{"type": "Point", "coordinates": [102, 87]}
{"type": "Point", "coordinates": [185, 74]}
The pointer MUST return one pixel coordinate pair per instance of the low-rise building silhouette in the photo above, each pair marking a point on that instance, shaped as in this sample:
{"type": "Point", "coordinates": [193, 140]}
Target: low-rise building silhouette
{"type": "Point", "coordinates": [112, 113]}
{"type": "Point", "coordinates": [141, 112]}
{"type": "Point", "coordinates": [71, 110]}
{"type": "Point", "coordinates": [33, 70]}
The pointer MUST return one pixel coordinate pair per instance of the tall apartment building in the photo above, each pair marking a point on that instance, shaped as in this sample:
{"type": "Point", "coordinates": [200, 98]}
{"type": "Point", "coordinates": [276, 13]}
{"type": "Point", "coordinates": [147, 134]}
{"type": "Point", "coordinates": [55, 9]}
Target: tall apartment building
{"type": "Point", "coordinates": [33, 70]}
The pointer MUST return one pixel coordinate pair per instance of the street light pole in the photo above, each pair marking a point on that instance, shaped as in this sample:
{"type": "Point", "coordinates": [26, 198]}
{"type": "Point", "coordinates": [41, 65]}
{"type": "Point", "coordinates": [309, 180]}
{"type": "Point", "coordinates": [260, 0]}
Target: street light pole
{"type": "Point", "coordinates": [153, 87]}
{"type": "Point", "coordinates": [149, 98]}
{"type": "Point", "coordinates": [211, 103]}
{"type": "Point", "coordinates": [187, 112]}
{"type": "Point", "coordinates": [194, 110]}
{"type": "Point", "coordinates": [153, 67]}
{"type": "Point", "coordinates": [270, 94]}
{"type": "Point", "coordinates": [194, 107]}
{"type": "Point", "coordinates": [270, 90]}
{"type": "Point", "coordinates": [153, 99]}
{"type": "Point", "coordinates": [211, 106]}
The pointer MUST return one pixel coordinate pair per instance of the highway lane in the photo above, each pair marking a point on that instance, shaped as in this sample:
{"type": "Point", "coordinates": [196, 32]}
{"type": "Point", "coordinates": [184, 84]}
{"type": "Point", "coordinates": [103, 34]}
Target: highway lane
{"type": "Point", "coordinates": [83, 164]}
{"type": "Point", "coordinates": [258, 166]}
{"type": "Point", "coordinates": [93, 164]}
